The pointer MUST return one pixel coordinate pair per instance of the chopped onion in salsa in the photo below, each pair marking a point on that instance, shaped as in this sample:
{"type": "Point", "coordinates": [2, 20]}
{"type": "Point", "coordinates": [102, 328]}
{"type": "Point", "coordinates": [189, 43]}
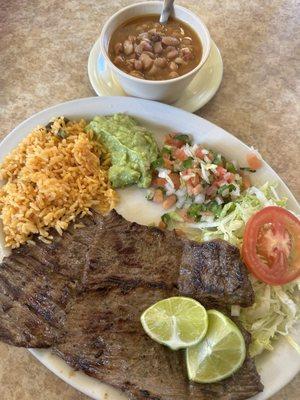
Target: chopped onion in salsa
{"type": "Point", "coordinates": [198, 181]}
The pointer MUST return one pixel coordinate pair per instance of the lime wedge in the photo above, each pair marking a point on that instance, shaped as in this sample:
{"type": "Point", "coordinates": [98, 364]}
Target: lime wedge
{"type": "Point", "coordinates": [176, 322]}
{"type": "Point", "coordinates": [219, 354]}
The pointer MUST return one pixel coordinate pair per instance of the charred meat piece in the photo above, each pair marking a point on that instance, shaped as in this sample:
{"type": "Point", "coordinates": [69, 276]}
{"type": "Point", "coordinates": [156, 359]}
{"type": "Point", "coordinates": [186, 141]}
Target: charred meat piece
{"type": "Point", "coordinates": [105, 339]}
{"type": "Point", "coordinates": [37, 282]}
{"type": "Point", "coordinates": [212, 272]}
{"type": "Point", "coordinates": [83, 294]}
{"type": "Point", "coordinates": [130, 255]}
{"type": "Point", "coordinates": [33, 301]}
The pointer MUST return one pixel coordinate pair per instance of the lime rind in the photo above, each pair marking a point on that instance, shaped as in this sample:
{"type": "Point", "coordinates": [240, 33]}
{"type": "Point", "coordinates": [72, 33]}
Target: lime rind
{"type": "Point", "coordinates": [176, 322]}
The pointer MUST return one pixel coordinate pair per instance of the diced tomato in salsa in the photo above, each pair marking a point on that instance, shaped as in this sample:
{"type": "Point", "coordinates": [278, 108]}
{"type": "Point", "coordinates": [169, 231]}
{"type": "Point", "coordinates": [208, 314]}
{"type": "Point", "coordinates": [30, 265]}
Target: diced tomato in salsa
{"type": "Point", "coordinates": [253, 161]}
{"type": "Point", "coordinates": [183, 214]}
{"type": "Point", "coordinates": [182, 160]}
{"type": "Point", "coordinates": [229, 177]}
{"type": "Point", "coordinates": [171, 141]}
{"type": "Point", "coordinates": [179, 154]}
{"type": "Point", "coordinates": [167, 162]}
{"type": "Point", "coordinates": [197, 189]}
{"type": "Point", "coordinates": [199, 153]}
{"type": "Point", "coordinates": [211, 190]}
{"type": "Point", "coordinates": [220, 171]}
{"type": "Point", "coordinates": [195, 180]}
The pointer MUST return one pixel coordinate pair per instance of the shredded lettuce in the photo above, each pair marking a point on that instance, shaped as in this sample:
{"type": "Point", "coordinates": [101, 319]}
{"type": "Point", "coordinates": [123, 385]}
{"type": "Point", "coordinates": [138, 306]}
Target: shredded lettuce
{"type": "Point", "coordinates": [274, 312]}
{"type": "Point", "coordinates": [234, 215]}
{"type": "Point", "coordinates": [276, 308]}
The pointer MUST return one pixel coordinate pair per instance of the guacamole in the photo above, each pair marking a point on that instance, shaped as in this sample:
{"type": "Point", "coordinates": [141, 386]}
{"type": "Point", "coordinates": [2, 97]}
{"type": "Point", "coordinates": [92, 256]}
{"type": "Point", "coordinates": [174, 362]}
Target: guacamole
{"type": "Point", "coordinates": [132, 149]}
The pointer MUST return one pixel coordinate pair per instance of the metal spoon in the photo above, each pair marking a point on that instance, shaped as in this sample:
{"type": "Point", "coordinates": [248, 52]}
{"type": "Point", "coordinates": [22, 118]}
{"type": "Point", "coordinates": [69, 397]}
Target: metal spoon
{"type": "Point", "coordinates": [166, 11]}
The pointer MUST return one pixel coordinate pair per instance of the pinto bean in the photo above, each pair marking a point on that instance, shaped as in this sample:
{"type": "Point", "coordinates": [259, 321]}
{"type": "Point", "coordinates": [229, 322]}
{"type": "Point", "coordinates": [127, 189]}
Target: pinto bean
{"type": "Point", "coordinates": [138, 49]}
{"type": "Point", "coordinates": [149, 54]}
{"type": "Point", "coordinates": [132, 38]}
{"type": "Point", "coordinates": [118, 48]}
{"type": "Point", "coordinates": [146, 61]}
{"type": "Point", "coordinates": [155, 37]}
{"type": "Point", "coordinates": [173, 66]}
{"type": "Point", "coordinates": [157, 47]}
{"type": "Point", "coordinates": [170, 48]}
{"type": "Point", "coordinates": [130, 63]}
{"type": "Point", "coordinates": [138, 65]}
{"type": "Point", "coordinates": [160, 62]}
{"type": "Point", "coordinates": [153, 70]}
{"type": "Point", "coordinates": [172, 54]}
{"type": "Point", "coordinates": [179, 61]}
{"type": "Point", "coordinates": [169, 201]}
{"type": "Point", "coordinates": [187, 40]}
{"type": "Point", "coordinates": [186, 54]}
{"type": "Point", "coordinates": [145, 45]}
{"type": "Point", "coordinates": [175, 177]}
{"type": "Point", "coordinates": [158, 196]}
{"type": "Point", "coordinates": [137, 74]}
{"type": "Point", "coordinates": [143, 35]}
{"type": "Point", "coordinates": [176, 34]}
{"type": "Point", "coordinates": [170, 41]}
{"type": "Point", "coordinates": [118, 60]}
{"type": "Point", "coordinates": [173, 74]}
{"type": "Point", "coordinates": [162, 225]}
{"type": "Point", "coordinates": [128, 47]}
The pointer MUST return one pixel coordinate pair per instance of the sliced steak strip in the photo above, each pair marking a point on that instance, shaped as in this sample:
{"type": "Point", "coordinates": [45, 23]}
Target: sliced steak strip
{"type": "Point", "coordinates": [66, 254]}
{"type": "Point", "coordinates": [213, 270]}
{"type": "Point", "coordinates": [130, 255]}
{"type": "Point", "coordinates": [33, 299]}
{"type": "Point", "coordinates": [37, 283]}
{"type": "Point", "coordinates": [105, 339]}
{"type": "Point", "coordinates": [83, 295]}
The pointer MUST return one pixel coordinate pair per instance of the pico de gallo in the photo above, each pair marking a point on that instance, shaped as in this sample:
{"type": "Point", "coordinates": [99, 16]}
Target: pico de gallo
{"type": "Point", "coordinates": [196, 180]}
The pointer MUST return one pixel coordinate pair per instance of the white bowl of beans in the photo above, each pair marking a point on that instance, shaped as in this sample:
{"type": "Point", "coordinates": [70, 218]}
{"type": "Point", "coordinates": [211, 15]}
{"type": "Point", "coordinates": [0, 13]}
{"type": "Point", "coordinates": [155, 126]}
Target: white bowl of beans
{"type": "Point", "coordinates": [150, 60]}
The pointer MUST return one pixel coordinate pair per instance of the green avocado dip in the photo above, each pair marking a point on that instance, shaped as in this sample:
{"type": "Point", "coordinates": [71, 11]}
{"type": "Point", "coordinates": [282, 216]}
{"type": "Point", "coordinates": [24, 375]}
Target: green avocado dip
{"type": "Point", "coordinates": [132, 148]}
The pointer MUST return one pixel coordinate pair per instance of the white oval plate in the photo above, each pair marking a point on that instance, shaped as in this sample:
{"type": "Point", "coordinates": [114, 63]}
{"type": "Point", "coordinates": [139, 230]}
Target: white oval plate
{"type": "Point", "coordinates": [202, 88]}
{"type": "Point", "coordinates": [276, 368]}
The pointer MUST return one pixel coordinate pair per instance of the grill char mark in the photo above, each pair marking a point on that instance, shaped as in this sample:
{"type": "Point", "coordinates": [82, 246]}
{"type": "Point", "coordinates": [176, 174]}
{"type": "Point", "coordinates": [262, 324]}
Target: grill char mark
{"type": "Point", "coordinates": [83, 294]}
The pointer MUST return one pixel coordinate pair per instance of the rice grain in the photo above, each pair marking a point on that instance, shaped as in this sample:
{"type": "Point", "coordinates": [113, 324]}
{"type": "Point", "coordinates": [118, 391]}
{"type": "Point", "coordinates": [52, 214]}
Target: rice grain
{"type": "Point", "coordinates": [49, 180]}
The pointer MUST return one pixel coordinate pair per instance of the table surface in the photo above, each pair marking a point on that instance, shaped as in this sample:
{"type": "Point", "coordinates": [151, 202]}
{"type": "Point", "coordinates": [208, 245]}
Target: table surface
{"type": "Point", "coordinates": [44, 48]}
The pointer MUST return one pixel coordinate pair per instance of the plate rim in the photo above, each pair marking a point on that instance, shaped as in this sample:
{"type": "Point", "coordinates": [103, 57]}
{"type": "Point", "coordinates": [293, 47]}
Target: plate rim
{"type": "Point", "coordinates": [123, 99]}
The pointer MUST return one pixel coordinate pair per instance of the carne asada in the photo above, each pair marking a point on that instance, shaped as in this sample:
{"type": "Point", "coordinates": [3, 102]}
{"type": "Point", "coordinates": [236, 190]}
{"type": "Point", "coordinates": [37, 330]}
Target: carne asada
{"type": "Point", "coordinates": [82, 296]}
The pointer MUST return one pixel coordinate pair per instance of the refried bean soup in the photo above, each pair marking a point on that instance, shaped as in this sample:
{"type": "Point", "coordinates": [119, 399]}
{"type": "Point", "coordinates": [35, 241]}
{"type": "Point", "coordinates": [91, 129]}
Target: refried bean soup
{"type": "Point", "coordinates": [146, 49]}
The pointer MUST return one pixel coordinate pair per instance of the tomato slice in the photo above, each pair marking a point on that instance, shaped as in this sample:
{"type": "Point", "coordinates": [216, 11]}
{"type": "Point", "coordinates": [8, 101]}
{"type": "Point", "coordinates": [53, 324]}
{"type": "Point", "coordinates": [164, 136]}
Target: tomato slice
{"type": "Point", "coordinates": [271, 247]}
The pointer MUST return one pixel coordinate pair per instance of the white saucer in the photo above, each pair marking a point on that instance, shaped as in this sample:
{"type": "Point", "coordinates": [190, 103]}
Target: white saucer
{"type": "Point", "coordinates": [202, 88]}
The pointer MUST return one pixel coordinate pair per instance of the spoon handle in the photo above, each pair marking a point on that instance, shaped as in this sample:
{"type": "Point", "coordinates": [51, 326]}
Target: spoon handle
{"type": "Point", "coordinates": [167, 9]}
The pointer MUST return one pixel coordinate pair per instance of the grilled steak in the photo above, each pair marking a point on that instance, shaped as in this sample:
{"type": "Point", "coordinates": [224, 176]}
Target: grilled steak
{"type": "Point", "coordinates": [121, 354]}
{"type": "Point", "coordinates": [82, 295]}
{"type": "Point", "coordinates": [130, 255]}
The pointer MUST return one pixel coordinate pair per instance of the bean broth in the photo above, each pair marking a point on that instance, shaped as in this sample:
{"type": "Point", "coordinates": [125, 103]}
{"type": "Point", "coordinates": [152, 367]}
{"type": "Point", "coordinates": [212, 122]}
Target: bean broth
{"type": "Point", "coordinates": [146, 49]}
